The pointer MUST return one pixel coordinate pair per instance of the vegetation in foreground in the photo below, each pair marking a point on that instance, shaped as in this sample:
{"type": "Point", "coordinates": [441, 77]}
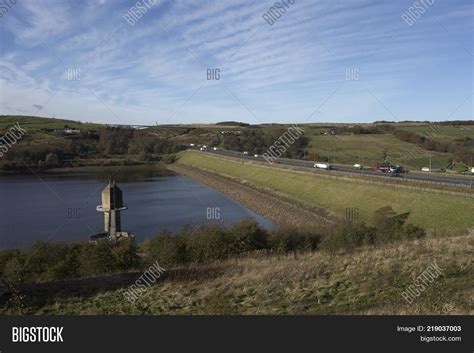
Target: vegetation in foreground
{"type": "Point", "coordinates": [363, 280]}
{"type": "Point", "coordinates": [45, 262]}
{"type": "Point", "coordinates": [433, 212]}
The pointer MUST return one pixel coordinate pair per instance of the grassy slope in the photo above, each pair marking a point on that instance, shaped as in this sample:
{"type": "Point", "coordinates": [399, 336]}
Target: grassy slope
{"type": "Point", "coordinates": [33, 123]}
{"type": "Point", "coordinates": [442, 133]}
{"type": "Point", "coordinates": [431, 211]}
{"type": "Point", "coordinates": [369, 281]}
{"type": "Point", "coordinates": [371, 148]}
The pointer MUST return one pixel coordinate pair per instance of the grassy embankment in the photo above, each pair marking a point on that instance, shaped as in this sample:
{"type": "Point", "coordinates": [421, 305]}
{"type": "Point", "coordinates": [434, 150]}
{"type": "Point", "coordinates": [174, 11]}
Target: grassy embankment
{"type": "Point", "coordinates": [433, 212]}
{"type": "Point", "coordinates": [368, 281]}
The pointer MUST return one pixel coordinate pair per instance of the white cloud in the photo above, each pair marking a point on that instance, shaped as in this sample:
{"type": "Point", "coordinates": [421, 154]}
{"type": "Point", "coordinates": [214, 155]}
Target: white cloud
{"type": "Point", "coordinates": [149, 70]}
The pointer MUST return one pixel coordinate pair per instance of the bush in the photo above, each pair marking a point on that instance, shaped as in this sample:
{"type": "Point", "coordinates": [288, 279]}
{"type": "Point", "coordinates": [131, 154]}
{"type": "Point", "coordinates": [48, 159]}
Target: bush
{"type": "Point", "coordinates": [13, 271]}
{"type": "Point", "coordinates": [41, 258]}
{"type": "Point", "coordinates": [391, 226]}
{"type": "Point", "coordinates": [411, 232]}
{"type": "Point", "coordinates": [347, 237]}
{"type": "Point", "coordinates": [168, 158]}
{"type": "Point", "coordinates": [167, 249]}
{"type": "Point", "coordinates": [68, 266]}
{"type": "Point", "coordinates": [247, 236]}
{"type": "Point", "coordinates": [96, 258]}
{"type": "Point", "coordinates": [7, 255]}
{"type": "Point", "coordinates": [208, 243]}
{"type": "Point", "coordinates": [285, 240]}
{"type": "Point", "coordinates": [125, 255]}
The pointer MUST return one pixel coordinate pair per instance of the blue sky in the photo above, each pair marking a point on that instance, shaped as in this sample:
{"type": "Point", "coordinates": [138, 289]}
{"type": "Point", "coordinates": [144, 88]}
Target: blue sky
{"type": "Point", "coordinates": [292, 71]}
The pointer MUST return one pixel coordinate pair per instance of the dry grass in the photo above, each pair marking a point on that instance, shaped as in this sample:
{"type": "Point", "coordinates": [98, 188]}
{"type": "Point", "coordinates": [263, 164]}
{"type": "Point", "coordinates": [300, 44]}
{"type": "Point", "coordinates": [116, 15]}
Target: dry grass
{"type": "Point", "coordinates": [368, 281]}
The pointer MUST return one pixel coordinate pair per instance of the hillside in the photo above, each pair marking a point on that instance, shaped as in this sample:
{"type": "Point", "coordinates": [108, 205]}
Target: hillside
{"type": "Point", "coordinates": [412, 145]}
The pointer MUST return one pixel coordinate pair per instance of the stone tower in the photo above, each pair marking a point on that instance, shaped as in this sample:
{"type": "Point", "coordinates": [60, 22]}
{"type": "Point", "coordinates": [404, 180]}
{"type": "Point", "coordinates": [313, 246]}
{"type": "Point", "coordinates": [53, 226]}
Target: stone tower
{"type": "Point", "coordinates": [112, 205]}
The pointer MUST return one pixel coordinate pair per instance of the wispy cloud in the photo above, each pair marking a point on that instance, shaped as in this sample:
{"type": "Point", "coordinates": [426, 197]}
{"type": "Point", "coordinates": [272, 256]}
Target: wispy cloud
{"type": "Point", "coordinates": [144, 73]}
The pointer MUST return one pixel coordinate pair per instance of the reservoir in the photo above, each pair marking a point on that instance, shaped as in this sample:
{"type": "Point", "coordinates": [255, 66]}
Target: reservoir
{"type": "Point", "coordinates": [62, 206]}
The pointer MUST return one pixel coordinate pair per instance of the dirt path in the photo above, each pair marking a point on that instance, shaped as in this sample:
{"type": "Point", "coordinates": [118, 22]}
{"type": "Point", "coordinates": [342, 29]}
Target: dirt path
{"type": "Point", "coordinates": [273, 207]}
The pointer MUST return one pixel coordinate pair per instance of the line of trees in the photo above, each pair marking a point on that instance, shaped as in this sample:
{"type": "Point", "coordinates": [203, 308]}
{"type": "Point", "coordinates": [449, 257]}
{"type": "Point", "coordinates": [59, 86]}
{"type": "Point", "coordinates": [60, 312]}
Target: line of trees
{"type": "Point", "coordinates": [258, 141]}
{"type": "Point", "coordinates": [109, 141]}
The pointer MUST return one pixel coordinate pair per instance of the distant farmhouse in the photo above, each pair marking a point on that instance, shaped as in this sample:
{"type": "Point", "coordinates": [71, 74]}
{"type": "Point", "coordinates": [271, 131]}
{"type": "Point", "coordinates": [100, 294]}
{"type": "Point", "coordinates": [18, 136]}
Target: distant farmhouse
{"type": "Point", "coordinates": [231, 132]}
{"type": "Point", "coordinates": [72, 131]}
{"type": "Point", "coordinates": [67, 130]}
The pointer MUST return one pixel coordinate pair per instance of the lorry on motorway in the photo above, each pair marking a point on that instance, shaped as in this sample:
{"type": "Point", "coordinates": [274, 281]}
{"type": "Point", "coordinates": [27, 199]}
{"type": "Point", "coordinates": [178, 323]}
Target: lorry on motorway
{"type": "Point", "coordinates": [322, 165]}
{"type": "Point", "coordinates": [425, 169]}
{"type": "Point", "coordinates": [388, 168]}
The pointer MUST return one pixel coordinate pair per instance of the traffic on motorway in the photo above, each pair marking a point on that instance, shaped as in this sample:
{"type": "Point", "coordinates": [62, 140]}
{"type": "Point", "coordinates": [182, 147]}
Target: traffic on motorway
{"type": "Point", "coordinates": [394, 171]}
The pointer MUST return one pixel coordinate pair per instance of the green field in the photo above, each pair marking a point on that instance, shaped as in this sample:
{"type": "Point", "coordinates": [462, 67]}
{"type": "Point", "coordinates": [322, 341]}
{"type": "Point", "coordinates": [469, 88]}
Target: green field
{"type": "Point", "coordinates": [434, 212]}
{"type": "Point", "coordinates": [372, 148]}
{"type": "Point", "coordinates": [442, 133]}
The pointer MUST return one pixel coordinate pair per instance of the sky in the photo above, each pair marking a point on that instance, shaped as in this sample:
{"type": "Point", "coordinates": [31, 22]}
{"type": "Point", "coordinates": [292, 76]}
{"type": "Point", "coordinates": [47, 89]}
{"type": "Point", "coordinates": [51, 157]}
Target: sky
{"type": "Point", "coordinates": [320, 61]}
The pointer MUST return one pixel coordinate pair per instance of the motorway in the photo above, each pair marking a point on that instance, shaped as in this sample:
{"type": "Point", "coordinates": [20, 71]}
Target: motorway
{"type": "Point", "coordinates": [414, 176]}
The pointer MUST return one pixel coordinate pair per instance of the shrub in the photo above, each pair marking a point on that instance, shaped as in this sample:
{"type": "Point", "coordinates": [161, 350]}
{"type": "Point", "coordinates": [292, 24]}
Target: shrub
{"type": "Point", "coordinates": [167, 249]}
{"type": "Point", "coordinates": [168, 158]}
{"type": "Point", "coordinates": [13, 271]}
{"type": "Point", "coordinates": [347, 237]}
{"type": "Point", "coordinates": [293, 239]}
{"type": "Point", "coordinates": [247, 236]}
{"type": "Point", "coordinates": [7, 255]}
{"type": "Point", "coordinates": [125, 255]}
{"type": "Point", "coordinates": [208, 243]}
{"type": "Point", "coordinates": [68, 266]}
{"type": "Point", "coordinates": [41, 258]}
{"type": "Point", "coordinates": [391, 226]}
{"type": "Point", "coordinates": [96, 258]}
{"type": "Point", "coordinates": [411, 232]}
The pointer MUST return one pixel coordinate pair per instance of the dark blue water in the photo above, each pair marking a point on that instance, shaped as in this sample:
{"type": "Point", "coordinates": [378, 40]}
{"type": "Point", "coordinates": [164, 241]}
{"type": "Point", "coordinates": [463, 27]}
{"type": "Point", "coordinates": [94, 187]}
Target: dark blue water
{"type": "Point", "coordinates": [63, 207]}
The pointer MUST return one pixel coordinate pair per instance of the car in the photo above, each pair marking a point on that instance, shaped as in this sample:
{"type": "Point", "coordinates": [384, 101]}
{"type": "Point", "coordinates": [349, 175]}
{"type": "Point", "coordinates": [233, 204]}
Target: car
{"type": "Point", "coordinates": [245, 153]}
{"type": "Point", "coordinates": [322, 165]}
{"type": "Point", "coordinates": [215, 148]}
{"type": "Point", "coordinates": [191, 144]}
{"type": "Point", "coordinates": [255, 155]}
{"type": "Point", "coordinates": [358, 166]}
